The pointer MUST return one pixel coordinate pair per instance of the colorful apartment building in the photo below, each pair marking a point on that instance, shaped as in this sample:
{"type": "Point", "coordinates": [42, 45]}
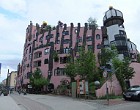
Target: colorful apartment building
{"type": "Point", "coordinates": [11, 79]}
{"type": "Point", "coordinates": [42, 42]}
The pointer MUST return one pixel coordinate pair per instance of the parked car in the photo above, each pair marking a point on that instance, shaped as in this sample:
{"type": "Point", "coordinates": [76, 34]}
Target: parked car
{"type": "Point", "coordinates": [5, 92]}
{"type": "Point", "coordinates": [133, 93]}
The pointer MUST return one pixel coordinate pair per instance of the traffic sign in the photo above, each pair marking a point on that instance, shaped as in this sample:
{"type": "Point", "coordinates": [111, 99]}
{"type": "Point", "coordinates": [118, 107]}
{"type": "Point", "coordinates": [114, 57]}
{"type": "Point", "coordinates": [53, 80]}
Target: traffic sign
{"type": "Point", "coordinates": [105, 74]}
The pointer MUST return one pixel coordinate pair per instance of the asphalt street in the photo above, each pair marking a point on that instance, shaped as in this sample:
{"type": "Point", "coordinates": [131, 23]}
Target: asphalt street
{"type": "Point", "coordinates": [53, 102]}
{"type": "Point", "coordinates": [28, 104]}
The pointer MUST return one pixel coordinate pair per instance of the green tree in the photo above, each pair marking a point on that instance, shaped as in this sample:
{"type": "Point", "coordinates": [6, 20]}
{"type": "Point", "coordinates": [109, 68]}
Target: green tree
{"type": "Point", "coordinates": [107, 54]}
{"type": "Point", "coordinates": [85, 64]}
{"type": "Point", "coordinates": [92, 22]}
{"type": "Point", "coordinates": [70, 69]}
{"type": "Point", "coordinates": [37, 80]}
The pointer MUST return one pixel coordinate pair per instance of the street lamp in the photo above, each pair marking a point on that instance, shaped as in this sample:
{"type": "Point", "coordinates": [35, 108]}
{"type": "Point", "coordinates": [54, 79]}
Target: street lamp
{"type": "Point", "coordinates": [97, 84]}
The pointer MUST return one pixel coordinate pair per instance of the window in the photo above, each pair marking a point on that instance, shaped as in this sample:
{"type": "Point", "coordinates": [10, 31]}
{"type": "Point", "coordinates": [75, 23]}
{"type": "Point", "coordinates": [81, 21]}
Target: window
{"type": "Point", "coordinates": [90, 47]}
{"type": "Point", "coordinates": [58, 51]}
{"type": "Point", "coordinates": [122, 32]}
{"type": "Point", "coordinates": [27, 65]}
{"type": "Point", "coordinates": [97, 36]}
{"type": "Point", "coordinates": [47, 50]}
{"type": "Point", "coordinates": [66, 50]}
{"type": "Point", "coordinates": [89, 38]}
{"type": "Point", "coordinates": [37, 55]}
{"type": "Point", "coordinates": [75, 31]}
{"type": "Point", "coordinates": [79, 39]}
{"type": "Point", "coordinates": [26, 51]}
{"type": "Point", "coordinates": [30, 50]}
{"type": "Point", "coordinates": [46, 61]}
{"type": "Point", "coordinates": [65, 32]}
{"type": "Point", "coordinates": [66, 41]}
{"type": "Point", "coordinates": [63, 60]}
{"type": "Point", "coordinates": [99, 46]}
{"type": "Point", "coordinates": [29, 75]}
{"type": "Point", "coordinates": [49, 36]}
{"type": "Point", "coordinates": [30, 56]}
{"type": "Point", "coordinates": [37, 63]}
{"type": "Point", "coordinates": [58, 34]}
{"type": "Point", "coordinates": [59, 72]}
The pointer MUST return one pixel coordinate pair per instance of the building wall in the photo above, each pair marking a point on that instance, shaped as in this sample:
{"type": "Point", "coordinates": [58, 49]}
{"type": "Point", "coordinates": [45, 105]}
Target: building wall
{"type": "Point", "coordinates": [136, 79]}
{"type": "Point", "coordinates": [40, 41]}
{"type": "Point", "coordinates": [13, 76]}
{"type": "Point", "coordinates": [112, 85]}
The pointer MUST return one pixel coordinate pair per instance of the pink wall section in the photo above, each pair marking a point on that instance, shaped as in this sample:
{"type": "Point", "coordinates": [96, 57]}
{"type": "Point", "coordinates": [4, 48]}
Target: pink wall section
{"type": "Point", "coordinates": [56, 80]}
{"type": "Point", "coordinates": [115, 84]}
{"type": "Point", "coordinates": [136, 78]}
{"type": "Point", "coordinates": [113, 88]}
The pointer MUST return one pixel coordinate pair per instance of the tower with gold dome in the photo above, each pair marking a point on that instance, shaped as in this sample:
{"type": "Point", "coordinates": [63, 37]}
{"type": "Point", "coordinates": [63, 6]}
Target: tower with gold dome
{"type": "Point", "coordinates": [114, 33]}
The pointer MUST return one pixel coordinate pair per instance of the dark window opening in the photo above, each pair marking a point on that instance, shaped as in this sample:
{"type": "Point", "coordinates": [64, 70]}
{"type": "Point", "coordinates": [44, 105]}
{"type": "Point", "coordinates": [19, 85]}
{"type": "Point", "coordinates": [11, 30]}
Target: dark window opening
{"type": "Point", "coordinates": [58, 51]}
{"type": "Point", "coordinates": [64, 60]}
{"type": "Point", "coordinates": [37, 63]}
{"type": "Point", "coordinates": [59, 72]}
{"type": "Point", "coordinates": [58, 34]}
{"type": "Point", "coordinates": [66, 50]}
{"type": "Point", "coordinates": [26, 51]}
{"type": "Point", "coordinates": [79, 39]}
{"type": "Point", "coordinates": [65, 32]}
{"type": "Point", "coordinates": [122, 32]}
{"type": "Point", "coordinates": [99, 46]}
{"type": "Point", "coordinates": [46, 61]}
{"type": "Point", "coordinates": [29, 75]}
{"type": "Point", "coordinates": [37, 55]}
{"type": "Point", "coordinates": [66, 41]}
{"type": "Point", "coordinates": [97, 36]}
{"type": "Point", "coordinates": [89, 38]}
{"type": "Point", "coordinates": [30, 50]}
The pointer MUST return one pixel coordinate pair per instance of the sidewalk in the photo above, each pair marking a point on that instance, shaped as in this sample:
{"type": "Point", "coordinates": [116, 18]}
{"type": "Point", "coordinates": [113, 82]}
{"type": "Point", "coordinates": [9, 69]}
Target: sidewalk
{"type": "Point", "coordinates": [7, 103]}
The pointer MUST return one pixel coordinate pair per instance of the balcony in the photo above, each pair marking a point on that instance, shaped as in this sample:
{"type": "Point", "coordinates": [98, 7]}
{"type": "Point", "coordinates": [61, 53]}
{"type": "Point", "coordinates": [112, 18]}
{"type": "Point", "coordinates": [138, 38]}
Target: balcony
{"type": "Point", "coordinates": [120, 37]}
{"type": "Point", "coordinates": [120, 44]}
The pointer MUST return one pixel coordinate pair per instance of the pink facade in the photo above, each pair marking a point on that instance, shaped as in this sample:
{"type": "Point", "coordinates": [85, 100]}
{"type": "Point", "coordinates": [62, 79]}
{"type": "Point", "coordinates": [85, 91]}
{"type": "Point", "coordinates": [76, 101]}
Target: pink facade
{"type": "Point", "coordinates": [40, 45]}
{"type": "Point", "coordinates": [136, 79]}
{"type": "Point", "coordinates": [112, 85]}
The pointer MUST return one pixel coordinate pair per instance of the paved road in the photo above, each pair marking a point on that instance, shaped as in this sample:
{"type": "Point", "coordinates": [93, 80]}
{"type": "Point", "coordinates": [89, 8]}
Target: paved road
{"type": "Point", "coordinates": [28, 104]}
{"type": "Point", "coordinates": [7, 103]}
{"type": "Point", "coordinates": [50, 102]}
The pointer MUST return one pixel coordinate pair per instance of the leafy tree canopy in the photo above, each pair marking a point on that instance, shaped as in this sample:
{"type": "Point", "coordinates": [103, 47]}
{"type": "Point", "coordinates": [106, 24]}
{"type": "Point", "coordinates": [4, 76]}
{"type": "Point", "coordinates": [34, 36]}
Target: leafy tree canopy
{"type": "Point", "coordinates": [92, 21]}
{"type": "Point", "coordinates": [37, 80]}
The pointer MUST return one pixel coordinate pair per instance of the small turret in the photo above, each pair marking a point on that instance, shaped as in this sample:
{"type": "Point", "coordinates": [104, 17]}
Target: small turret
{"type": "Point", "coordinates": [113, 16]}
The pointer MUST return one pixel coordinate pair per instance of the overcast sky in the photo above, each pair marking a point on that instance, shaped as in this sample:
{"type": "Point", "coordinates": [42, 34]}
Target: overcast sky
{"type": "Point", "coordinates": [15, 16]}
